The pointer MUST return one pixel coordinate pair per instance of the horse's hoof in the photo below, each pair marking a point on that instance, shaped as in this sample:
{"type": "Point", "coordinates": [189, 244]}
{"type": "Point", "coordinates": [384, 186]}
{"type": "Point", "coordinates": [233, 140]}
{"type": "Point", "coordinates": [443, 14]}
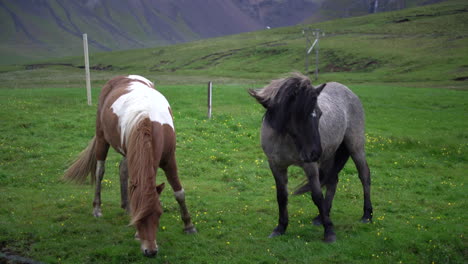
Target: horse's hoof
{"type": "Point", "coordinates": [190, 230]}
{"type": "Point", "coordinates": [275, 234]}
{"type": "Point", "coordinates": [97, 213]}
{"type": "Point", "coordinates": [331, 238]}
{"type": "Point", "coordinates": [317, 221]}
{"type": "Point", "coordinates": [366, 220]}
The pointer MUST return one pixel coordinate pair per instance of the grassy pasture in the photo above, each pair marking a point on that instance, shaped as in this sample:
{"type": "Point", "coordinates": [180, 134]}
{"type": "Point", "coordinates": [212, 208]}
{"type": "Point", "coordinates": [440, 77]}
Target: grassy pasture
{"type": "Point", "coordinates": [416, 144]}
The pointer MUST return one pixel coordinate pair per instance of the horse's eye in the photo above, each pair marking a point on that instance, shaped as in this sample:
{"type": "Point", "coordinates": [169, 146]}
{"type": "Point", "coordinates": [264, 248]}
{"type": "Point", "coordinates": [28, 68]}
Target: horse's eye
{"type": "Point", "coordinates": [314, 114]}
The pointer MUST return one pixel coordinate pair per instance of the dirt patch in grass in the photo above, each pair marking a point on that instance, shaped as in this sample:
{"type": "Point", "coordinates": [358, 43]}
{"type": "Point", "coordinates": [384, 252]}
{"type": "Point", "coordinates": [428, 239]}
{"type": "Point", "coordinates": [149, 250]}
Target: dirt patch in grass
{"type": "Point", "coordinates": [44, 65]}
{"type": "Point", "coordinates": [8, 256]}
{"type": "Point", "coordinates": [97, 67]}
{"type": "Point", "coordinates": [463, 78]}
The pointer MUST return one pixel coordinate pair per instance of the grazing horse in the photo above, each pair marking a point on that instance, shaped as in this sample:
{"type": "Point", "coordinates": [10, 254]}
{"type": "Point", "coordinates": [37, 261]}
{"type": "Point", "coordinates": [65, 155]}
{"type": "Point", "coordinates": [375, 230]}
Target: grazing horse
{"type": "Point", "coordinates": [316, 129]}
{"type": "Point", "coordinates": [136, 120]}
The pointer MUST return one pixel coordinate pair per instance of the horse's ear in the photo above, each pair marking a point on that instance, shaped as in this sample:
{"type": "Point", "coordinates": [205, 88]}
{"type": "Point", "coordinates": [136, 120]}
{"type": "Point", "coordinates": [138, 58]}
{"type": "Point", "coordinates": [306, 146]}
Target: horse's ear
{"type": "Point", "coordinates": [259, 99]}
{"type": "Point", "coordinates": [320, 88]}
{"type": "Point", "coordinates": [160, 187]}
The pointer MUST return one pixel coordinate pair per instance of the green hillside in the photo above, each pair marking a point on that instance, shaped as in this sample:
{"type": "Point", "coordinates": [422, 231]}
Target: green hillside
{"type": "Point", "coordinates": [423, 44]}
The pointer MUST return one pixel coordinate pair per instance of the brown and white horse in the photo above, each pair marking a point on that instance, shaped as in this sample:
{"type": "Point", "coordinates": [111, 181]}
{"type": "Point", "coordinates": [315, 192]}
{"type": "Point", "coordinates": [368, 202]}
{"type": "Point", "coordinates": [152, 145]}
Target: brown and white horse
{"type": "Point", "coordinates": [136, 120]}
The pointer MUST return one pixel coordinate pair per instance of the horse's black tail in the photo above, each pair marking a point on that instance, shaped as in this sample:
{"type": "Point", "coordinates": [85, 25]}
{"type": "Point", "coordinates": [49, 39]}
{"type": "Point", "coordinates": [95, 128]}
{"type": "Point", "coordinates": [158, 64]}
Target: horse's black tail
{"type": "Point", "coordinates": [303, 188]}
{"type": "Point", "coordinates": [341, 157]}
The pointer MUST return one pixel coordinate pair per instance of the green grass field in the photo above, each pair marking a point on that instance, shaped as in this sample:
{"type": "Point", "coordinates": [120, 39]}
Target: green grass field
{"type": "Point", "coordinates": [417, 147]}
{"type": "Point", "coordinates": [417, 153]}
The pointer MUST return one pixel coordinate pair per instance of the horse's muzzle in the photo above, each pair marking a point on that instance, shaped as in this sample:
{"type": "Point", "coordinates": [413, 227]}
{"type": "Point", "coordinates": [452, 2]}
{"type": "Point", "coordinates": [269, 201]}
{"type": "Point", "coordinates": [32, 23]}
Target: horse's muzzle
{"type": "Point", "coordinates": [150, 253]}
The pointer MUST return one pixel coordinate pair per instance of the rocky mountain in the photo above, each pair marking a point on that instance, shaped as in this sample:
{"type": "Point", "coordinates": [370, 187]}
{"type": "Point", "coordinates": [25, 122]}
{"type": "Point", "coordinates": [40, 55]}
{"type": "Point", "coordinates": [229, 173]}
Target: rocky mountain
{"type": "Point", "coordinates": [277, 13]}
{"type": "Point", "coordinates": [34, 29]}
{"type": "Point", "coordinates": [332, 9]}
{"type": "Point", "coordinates": [37, 29]}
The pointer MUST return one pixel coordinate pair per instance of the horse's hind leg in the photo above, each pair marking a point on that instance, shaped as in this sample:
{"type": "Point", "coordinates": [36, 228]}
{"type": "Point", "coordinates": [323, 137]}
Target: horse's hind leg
{"type": "Point", "coordinates": [359, 159]}
{"type": "Point", "coordinates": [170, 169]}
{"type": "Point", "coordinates": [101, 153]}
{"type": "Point", "coordinates": [123, 169]}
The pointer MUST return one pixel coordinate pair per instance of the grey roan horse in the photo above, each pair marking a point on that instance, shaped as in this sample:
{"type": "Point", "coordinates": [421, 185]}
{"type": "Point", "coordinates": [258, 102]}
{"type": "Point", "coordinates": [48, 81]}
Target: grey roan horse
{"type": "Point", "coordinates": [317, 129]}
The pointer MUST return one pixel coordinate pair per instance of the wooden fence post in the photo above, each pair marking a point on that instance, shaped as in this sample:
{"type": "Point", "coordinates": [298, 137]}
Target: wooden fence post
{"type": "Point", "coordinates": [88, 81]}
{"type": "Point", "coordinates": [210, 93]}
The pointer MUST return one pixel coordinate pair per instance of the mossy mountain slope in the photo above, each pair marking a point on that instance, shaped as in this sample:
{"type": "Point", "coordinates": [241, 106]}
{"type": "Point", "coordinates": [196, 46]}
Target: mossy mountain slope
{"type": "Point", "coordinates": [420, 44]}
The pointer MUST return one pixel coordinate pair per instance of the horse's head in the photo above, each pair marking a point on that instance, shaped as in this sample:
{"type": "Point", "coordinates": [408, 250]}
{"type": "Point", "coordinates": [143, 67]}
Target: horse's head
{"type": "Point", "coordinates": [292, 110]}
{"type": "Point", "coordinates": [303, 123]}
{"type": "Point", "coordinates": [147, 228]}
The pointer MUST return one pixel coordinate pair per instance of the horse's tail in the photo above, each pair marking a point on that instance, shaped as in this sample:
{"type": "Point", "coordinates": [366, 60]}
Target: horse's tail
{"type": "Point", "coordinates": [306, 186]}
{"type": "Point", "coordinates": [83, 165]}
{"type": "Point", "coordinates": [141, 170]}
{"type": "Point", "coordinates": [303, 188]}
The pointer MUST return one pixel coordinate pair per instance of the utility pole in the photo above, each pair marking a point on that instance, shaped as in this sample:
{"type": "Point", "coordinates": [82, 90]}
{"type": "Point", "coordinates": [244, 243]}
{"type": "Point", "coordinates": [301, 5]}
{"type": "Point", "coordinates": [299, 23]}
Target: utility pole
{"type": "Point", "coordinates": [310, 34]}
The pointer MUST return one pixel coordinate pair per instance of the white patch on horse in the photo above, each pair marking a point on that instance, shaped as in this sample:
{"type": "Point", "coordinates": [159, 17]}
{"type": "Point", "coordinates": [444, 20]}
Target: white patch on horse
{"type": "Point", "coordinates": [179, 194]}
{"type": "Point", "coordinates": [140, 102]}
{"type": "Point", "coordinates": [141, 78]}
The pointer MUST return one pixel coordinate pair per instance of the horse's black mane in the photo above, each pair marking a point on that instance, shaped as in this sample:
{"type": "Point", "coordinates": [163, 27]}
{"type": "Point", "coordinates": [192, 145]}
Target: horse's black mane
{"type": "Point", "coordinates": [295, 99]}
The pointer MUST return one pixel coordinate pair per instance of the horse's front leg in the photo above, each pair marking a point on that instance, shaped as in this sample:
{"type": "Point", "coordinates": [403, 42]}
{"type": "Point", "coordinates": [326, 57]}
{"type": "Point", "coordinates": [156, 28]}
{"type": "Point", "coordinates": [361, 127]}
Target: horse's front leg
{"type": "Point", "coordinates": [330, 194]}
{"type": "Point", "coordinates": [123, 168]}
{"type": "Point", "coordinates": [331, 169]}
{"type": "Point", "coordinates": [312, 172]}
{"type": "Point", "coordinates": [170, 169]}
{"type": "Point", "coordinates": [280, 173]}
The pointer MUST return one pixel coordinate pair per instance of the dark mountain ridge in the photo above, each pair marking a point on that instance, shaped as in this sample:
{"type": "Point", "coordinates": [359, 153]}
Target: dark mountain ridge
{"type": "Point", "coordinates": [38, 29]}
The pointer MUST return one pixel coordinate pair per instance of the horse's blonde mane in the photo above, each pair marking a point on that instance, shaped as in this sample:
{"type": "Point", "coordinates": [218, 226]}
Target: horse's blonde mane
{"type": "Point", "coordinates": [143, 195]}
